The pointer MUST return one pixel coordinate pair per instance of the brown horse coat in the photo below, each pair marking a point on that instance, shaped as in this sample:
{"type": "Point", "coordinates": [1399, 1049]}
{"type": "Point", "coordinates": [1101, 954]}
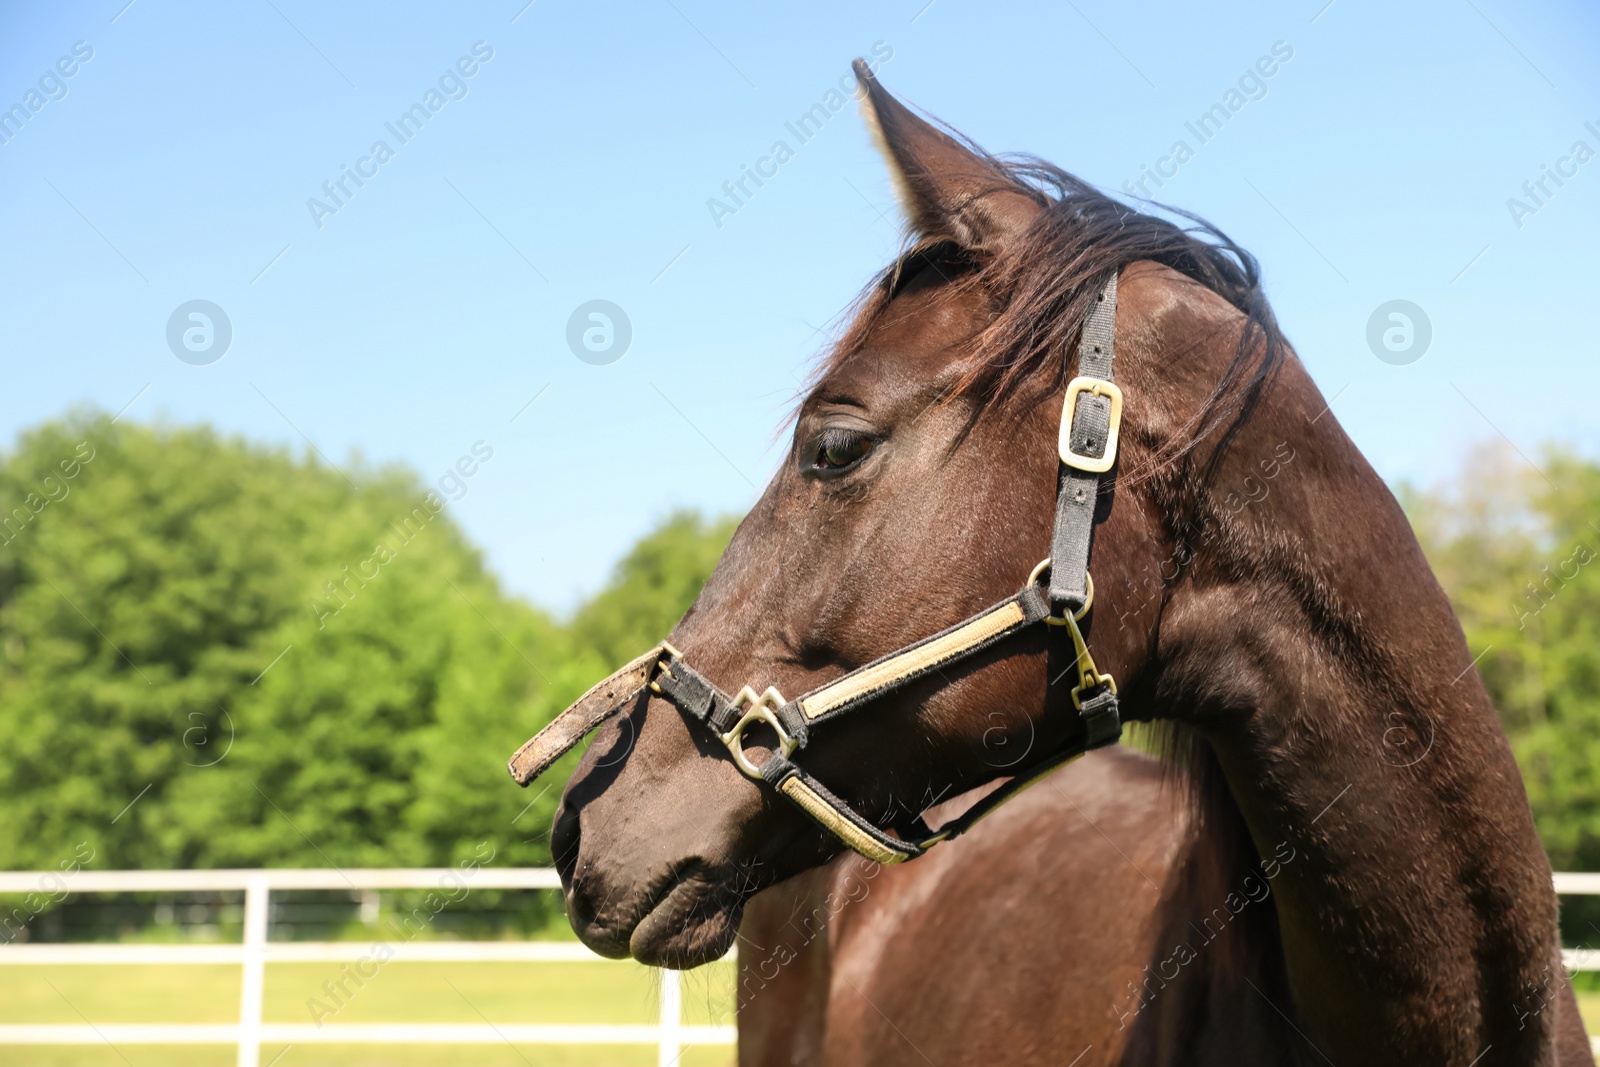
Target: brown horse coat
{"type": "Point", "coordinates": [995, 949]}
{"type": "Point", "coordinates": [1290, 632]}
{"type": "Point", "coordinates": [1052, 930]}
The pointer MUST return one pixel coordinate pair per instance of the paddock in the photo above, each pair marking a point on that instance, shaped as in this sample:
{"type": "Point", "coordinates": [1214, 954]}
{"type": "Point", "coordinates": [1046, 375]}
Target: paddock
{"type": "Point", "coordinates": [393, 1000]}
{"type": "Point", "coordinates": [247, 1003]}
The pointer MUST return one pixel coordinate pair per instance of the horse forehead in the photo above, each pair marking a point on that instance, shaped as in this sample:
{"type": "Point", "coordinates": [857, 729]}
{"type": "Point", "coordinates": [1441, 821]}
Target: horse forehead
{"type": "Point", "coordinates": [910, 342]}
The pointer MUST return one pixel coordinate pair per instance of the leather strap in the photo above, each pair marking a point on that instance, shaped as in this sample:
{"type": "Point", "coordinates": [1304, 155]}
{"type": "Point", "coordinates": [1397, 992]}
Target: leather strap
{"type": "Point", "coordinates": [696, 696]}
{"type": "Point", "coordinates": [1102, 719]}
{"type": "Point", "coordinates": [835, 815]}
{"type": "Point", "coordinates": [603, 700]}
{"type": "Point", "coordinates": [1079, 490]}
{"type": "Point", "coordinates": [965, 638]}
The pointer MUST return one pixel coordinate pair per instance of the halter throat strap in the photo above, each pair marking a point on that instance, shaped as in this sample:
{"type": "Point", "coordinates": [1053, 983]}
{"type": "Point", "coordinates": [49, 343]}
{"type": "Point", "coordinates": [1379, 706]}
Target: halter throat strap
{"type": "Point", "coordinates": [1090, 421]}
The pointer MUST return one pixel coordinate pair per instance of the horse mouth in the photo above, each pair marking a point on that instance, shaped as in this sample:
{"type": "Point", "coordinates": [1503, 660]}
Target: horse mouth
{"type": "Point", "coordinates": [688, 917]}
{"type": "Point", "coordinates": [694, 920]}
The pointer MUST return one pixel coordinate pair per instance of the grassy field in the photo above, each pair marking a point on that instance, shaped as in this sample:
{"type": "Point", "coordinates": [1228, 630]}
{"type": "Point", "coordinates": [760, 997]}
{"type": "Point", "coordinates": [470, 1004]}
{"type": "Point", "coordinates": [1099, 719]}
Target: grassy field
{"type": "Point", "coordinates": [361, 1056]}
{"type": "Point", "coordinates": [599, 992]}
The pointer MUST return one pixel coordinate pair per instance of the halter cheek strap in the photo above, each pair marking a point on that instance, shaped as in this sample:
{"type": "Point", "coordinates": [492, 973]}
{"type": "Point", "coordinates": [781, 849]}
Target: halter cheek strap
{"type": "Point", "coordinates": [1091, 422]}
{"type": "Point", "coordinates": [1090, 419]}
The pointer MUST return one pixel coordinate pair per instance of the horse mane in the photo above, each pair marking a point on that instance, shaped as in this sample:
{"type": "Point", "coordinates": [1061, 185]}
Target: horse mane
{"type": "Point", "coordinates": [1040, 286]}
{"type": "Point", "coordinates": [1042, 282]}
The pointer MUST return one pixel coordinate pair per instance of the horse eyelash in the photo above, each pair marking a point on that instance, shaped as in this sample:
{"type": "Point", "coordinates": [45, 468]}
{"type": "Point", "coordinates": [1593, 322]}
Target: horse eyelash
{"type": "Point", "coordinates": [833, 437]}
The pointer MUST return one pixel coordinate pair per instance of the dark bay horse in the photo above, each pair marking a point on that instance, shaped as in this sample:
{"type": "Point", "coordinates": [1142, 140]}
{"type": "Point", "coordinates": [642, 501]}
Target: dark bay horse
{"type": "Point", "coordinates": [1296, 643]}
{"type": "Point", "coordinates": [851, 964]}
{"type": "Point", "coordinates": [1000, 949]}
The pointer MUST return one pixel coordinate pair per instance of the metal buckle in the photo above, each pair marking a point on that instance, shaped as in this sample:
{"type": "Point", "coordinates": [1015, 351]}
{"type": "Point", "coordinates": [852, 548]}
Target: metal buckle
{"type": "Point", "coordinates": [655, 686]}
{"type": "Point", "coordinates": [763, 708]}
{"type": "Point", "coordinates": [1069, 409]}
{"type": "Point", "coordinates": [1088, 596]}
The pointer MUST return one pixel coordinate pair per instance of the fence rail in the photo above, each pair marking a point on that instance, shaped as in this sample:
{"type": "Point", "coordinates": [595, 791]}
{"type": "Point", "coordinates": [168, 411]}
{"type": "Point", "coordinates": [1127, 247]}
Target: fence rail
{"type": "Point", "coordinates": [669, 1034]}
{"type": "Point", "coordinates": [85, 881]}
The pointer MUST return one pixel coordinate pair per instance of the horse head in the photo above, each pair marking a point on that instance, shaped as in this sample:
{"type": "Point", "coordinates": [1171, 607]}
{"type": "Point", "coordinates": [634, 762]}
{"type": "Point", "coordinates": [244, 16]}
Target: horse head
{"type": "Point", "coordinates": [919, 487]}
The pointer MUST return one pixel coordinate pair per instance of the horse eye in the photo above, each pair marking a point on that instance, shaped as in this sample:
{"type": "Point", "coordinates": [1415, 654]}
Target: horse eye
{"type": "Point", "coordinates": [839, 449]}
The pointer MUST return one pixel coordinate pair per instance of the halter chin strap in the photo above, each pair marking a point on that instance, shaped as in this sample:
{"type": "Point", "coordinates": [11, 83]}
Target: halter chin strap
{"type": "Point", "coordinates": [1090, 418]}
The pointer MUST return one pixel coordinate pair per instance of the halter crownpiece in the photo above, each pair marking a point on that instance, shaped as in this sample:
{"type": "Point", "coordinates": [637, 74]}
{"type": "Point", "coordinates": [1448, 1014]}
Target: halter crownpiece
{"type": "Point", "coordinates": [1091, 416]}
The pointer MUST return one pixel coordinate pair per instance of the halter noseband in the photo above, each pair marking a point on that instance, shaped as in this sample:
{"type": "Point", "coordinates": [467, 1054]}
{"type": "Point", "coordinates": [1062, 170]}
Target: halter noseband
{"type": "Point", "coordinates": [1090, 418]}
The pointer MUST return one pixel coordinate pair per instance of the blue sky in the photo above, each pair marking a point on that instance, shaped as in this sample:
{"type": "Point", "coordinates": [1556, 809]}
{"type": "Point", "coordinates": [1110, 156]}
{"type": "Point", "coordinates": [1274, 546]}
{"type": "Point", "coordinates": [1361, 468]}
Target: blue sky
{"type": "Point", "coordinates": [577, 164]}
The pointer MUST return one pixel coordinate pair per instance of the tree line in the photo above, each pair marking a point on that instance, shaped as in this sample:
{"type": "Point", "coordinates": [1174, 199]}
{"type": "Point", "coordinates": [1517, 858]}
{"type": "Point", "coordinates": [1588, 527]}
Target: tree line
{"type": "Point", "coordinates": [196, 669]}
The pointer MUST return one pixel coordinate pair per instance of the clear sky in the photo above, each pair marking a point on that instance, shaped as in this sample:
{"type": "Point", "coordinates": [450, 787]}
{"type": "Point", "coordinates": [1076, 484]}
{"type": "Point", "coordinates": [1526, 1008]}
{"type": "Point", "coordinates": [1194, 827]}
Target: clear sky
{"type": "Point", "coordinates": [430, 305]}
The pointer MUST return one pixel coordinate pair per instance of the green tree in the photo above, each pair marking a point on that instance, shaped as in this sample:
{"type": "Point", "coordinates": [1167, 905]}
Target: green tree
{"type": "Point", "coordinates": [1518, 550]}
{"type": "Point", "coordinates": [652, 586]}
{"type": "Point", "coordinates": [207, 658]}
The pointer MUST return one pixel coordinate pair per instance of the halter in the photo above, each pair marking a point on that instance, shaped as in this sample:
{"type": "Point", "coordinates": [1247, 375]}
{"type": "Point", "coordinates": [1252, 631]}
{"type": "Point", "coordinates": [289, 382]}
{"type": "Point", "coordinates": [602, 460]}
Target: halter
{"type": "Point", "coordinates": [1091, 415]}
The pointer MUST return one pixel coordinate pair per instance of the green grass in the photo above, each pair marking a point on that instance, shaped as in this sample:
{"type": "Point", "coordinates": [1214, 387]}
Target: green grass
{"type": "Point", "coordinates": [1589, 1008]}
{"type": "Point", "coordinates": [598, 992]}
{"type": "Point", "coordinates": [363, 1056]}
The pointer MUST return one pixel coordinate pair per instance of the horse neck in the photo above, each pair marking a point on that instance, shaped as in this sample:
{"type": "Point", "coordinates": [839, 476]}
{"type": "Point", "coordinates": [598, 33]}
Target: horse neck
{"type": "Point", "coordinates": [1216, 960]}
{"type": "Point", "coordinates": [1309, 645]}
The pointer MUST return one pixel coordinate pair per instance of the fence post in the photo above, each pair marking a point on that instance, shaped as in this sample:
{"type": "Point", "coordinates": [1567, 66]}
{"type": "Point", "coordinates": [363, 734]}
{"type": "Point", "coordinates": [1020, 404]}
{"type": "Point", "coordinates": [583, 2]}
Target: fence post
{"type": "Point", "coordinates": [671, 1019]}
{"type": "Point", "coordinates": [257, 896]}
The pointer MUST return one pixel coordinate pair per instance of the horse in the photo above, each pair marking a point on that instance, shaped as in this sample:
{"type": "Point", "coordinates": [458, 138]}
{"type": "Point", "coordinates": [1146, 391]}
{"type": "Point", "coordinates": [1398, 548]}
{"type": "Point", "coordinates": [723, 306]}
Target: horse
{"type": "Point", "coordinates": [844, 964]}
{"type": "Point", "coordinates": [1261, 595]}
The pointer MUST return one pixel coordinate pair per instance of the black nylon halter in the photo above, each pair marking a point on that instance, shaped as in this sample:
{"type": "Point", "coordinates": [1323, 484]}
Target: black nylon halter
{"type": "Point", "coordinates": [1090, 420]}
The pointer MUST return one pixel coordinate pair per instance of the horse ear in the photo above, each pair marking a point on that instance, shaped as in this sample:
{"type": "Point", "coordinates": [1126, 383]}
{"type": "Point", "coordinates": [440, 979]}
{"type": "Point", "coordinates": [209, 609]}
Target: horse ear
{"type": "Point", "coordinates": [948, 190]}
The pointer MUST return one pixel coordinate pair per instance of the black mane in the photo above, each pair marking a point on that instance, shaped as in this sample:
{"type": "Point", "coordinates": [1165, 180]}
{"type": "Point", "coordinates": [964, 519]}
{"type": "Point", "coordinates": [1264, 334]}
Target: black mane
{"type": "Point", "coordinates": [1042, 283]}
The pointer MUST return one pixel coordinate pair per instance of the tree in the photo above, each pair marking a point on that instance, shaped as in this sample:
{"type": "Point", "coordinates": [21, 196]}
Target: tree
{"type": "Point", "coordinates": [652, 586]}
{"type": "Point", "coordinates": [213, 653]}
{"type": "Point", "coordinates": [1518, 550]}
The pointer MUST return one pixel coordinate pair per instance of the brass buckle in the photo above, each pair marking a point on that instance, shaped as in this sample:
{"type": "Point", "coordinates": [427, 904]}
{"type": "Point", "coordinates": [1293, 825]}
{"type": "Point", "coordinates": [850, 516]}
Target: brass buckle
{"type": "Point", "coordinates": [673, 653]}
{"type": "Point", "coordinates": [763, 708]}
{"type": "Point", "coordinates": [1069, 409]}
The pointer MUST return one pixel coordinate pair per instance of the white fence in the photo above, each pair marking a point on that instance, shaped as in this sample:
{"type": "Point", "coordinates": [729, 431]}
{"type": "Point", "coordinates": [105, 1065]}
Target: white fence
{"type": "Point", "coordinates": [669, 1035]}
